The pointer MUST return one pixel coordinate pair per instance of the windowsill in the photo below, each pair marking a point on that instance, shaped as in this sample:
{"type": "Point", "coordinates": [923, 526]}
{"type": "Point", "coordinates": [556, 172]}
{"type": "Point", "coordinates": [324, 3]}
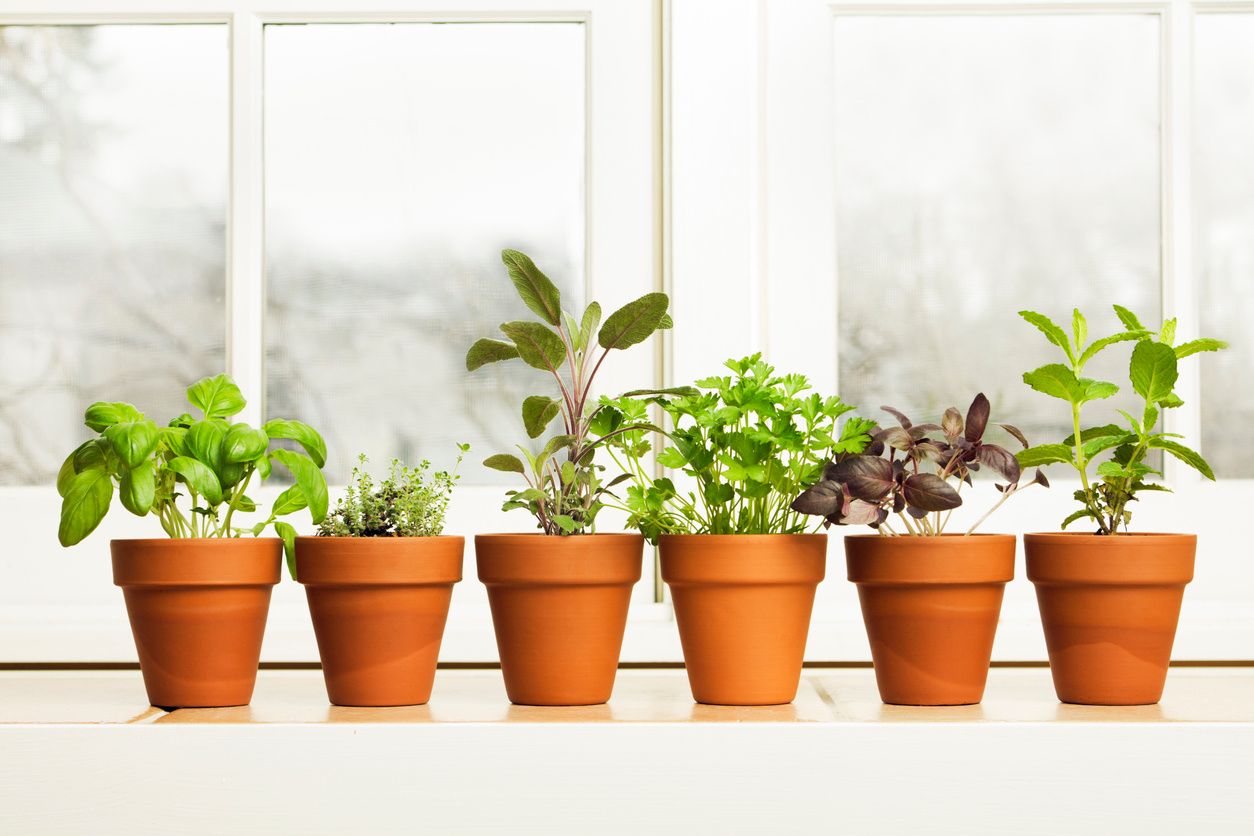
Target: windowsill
{"type": "Point", "coordinates": [1014, 695]}
{"type": "Point", "coordinates": [84, 753]}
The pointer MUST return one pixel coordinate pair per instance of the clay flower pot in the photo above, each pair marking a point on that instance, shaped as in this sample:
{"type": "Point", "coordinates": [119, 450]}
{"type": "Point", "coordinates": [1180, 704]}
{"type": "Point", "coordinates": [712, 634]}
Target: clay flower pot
{"type": "Point", "coordinates": [379, 605]}
{"type": "Point", "coordinates": [198, 612]}
{"type": "Point", "coordinates": [559, 608]}
{"type": "Point", "coordinates": [931, 605]}
{"type": "Point", "coordinates": [1109, 606]}
{"type": "Point", "coordinates": [742, 605]}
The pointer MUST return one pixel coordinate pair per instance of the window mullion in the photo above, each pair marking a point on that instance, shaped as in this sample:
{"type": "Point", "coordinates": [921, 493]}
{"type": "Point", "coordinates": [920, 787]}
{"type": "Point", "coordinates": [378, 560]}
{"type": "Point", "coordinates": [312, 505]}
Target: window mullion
{"type": "Point", "coordinates": [1179, 282]}
{"type": "Point", "coordinates": [245, 346]}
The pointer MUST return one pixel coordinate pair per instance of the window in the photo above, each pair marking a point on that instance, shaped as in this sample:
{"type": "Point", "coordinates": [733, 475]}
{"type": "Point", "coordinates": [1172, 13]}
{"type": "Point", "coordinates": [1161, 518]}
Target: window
{"type": "Point", "coordinates": [113, 173]}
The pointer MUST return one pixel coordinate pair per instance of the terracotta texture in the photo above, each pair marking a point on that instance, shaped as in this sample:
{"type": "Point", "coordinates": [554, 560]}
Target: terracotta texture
{"type": "Point", "coordinates": [931, 606]}
{"type": "Point", "coordinates": [559, 608]}
{"type": "Point", "coordinates": [1109, 606]}
{"type": "Point", "coordinates": [198, 612]}
{"type": "Point", "coordinates": [379, 605]}
{"type": "Point", "coordinates": [742, 604]}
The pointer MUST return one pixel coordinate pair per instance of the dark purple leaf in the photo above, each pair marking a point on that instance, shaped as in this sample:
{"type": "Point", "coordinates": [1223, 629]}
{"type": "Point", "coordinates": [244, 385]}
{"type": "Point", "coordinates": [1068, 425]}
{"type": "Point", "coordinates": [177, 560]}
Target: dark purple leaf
{"type": "Point", "coordinates": [858, 512]}
{"type": "Point", "coordinates": [920, 430]}
{"type": "Point", "coordinates": [821, 500]}
{"type": "Point", "coordinates": [952, 424]}
{"type": "Point", "coordinates": [930, 493]}
{"type": "Point", "coordinates": [977, 418]}
{"type": "Point", "coordinates": [1017, 433]}
{"type": "Point", "coordinates": [1039, 478]}
{"type": "Point", "coordinates": [1001, 460]}
{"type": "Point", "coordinates": [896, 413]}
{"type": "Point", "coordinates": [875, 448]}
{"type": "Point", "coordinates": [866, 477]}
{"type": "Point", "coordinates": [899, 503]}
{"type": "Point", "coordinates": [917, 513]}
{"type": "Point", "coordinates": [895, 437]}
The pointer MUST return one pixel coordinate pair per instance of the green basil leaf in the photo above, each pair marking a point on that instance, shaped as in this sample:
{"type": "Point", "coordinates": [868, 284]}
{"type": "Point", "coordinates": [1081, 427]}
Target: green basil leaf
{"type": "Point", "coordinates": [216, 397]}
{"type": "Point", "coordinates": [242, 443]}
{"type": "Point", "coordinates": [104, 414]}
{"type": "Point", "coordinates": [85, 504]}
{"type": "Point", "coordinates": [288, 534]}
{"type": "Point", "coordinates": [133, 441]}
{"type": "Point", "coordinates": [198, 476]}
{"type": "Point", "coordinates": [312, 483]}
{"type": "Point", "coordinates": [138, 488]}
{"type": "Point", "coordinates": [204, 443]}
{"type": "Point", "coordinates": [289, 502]}
{"type": "Point", "coordinates": [303, 434]}
{"type": "Point", "coordinates": [175, 439]}
{"type": "Point", "coordinates": [70, 468]}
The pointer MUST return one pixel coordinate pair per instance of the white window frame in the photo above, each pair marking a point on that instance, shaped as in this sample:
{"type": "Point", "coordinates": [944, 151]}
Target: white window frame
{"type": "Point", "coordinates": [622, 258]}
{"type": "Point", "coordinates": [758, 213]}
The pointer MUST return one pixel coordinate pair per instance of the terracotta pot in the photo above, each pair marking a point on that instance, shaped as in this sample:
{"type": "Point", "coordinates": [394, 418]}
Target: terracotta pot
{"type": "Point", "coordinates": [379, 605]}
{"type": "Point", "coordinates": [742, 605]}
{"type": "Point", "coordinates": [1109, 606]}
{"type": "Point", "coordinates": [198, 612]}
{"type": "Point", "coordinates": [559, 608]}
{"type": "Point", "coordinates": [931, 605]}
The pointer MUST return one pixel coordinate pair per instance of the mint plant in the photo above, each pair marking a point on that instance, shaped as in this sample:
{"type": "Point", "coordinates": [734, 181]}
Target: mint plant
{"type": "Point", "coordinates": [747, 443]}
{"type": "Point", "coordinates": [1153, 373]}
{"type": "Point", "coordinates": [408, 502]}
{"type": "Point", "coordinates": [915, 471]}
{"type": "Point", "coordinates": [209, 460]}
{"type": "Point", "coordinates": [565, 491]}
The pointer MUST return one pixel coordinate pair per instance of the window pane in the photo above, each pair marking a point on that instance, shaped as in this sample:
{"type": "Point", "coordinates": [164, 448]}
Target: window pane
{"type": "Point", "coordinates": [113, 170]}
{"type": "Point", "coordinates": [400, 160]}
{"type": "Point", "coordinates": [987, 164]}
{"type": "Point", "coordinates": [1224, 200]}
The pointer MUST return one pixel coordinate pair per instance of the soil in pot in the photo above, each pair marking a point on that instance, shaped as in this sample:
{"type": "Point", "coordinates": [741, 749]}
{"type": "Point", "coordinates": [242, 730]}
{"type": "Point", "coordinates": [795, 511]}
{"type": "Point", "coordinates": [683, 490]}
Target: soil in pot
{"type": "Point", "coordinates": [931, 605]}
{"type": "Point", "coordinates": [742, 605]}
{"type": "Point", "coordinates": [379, 606]}
{"type": "Point", "coordinates": [198, 613]}
{"type": "Point", "coordinates": [1109, 606]}
{"type": "Point", "coordinates": [559, 608]}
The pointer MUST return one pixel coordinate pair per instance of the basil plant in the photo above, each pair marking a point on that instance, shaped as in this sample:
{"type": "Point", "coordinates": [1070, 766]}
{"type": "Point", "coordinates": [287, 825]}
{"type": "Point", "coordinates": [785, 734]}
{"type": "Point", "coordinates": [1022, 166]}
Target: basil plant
{"type": "Point", "coordinates": [210, 461]}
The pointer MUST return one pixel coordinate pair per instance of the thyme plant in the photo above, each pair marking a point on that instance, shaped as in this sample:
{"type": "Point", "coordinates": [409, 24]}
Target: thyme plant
{"type": "Point", "coordinates": [408, 502]}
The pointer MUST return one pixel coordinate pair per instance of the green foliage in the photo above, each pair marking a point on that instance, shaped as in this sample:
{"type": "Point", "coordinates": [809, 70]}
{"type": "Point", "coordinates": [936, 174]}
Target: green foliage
{"type": "Point", "coordinates": [748, 443]}
{"type": "Point", "coordinates": [564, 491]}
{"type": "Point", "coordinates": [210, 460]}
{"type": "Point", "coordinates": [409, 502]}
{"type": "Point", "coordinates": [1152, 371]}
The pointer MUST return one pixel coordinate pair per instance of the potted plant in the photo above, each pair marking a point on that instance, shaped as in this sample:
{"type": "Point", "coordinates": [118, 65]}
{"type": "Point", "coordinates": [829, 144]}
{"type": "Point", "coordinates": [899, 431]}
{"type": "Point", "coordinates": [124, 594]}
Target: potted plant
{"type": "Point", "coordinates": [559, 597]}
{"type": "Point", "coordinates": [1110, 599]}
{"type": "Point", "coordinates": [378, 578]}
{"type": "Point", "coordinates": [198, 599]}
{"type": "Point", "coordinates": [930, 600]}
{"type": "Point", "coordinates": [741, 568]}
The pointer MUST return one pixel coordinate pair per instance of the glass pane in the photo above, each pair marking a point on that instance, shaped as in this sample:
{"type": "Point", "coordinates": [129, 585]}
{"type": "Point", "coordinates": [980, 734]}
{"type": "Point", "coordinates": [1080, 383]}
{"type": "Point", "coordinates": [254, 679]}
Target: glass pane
{"type": "Point", "coordinates": [401, 158]}
{"type": "Point", "coordinates": [1224, 201]}
{"type": "Point", "coordinates": [987, 164]}
{"type": "Point", "coordinates": [113, 172]}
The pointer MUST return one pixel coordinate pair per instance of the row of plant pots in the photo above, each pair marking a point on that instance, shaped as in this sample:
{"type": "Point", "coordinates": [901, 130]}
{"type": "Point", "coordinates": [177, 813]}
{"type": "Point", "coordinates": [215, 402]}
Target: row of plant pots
{"type": "Point", "coordinates": [742, 605]}
{"type": "Point", "coordinates": [754, 462]}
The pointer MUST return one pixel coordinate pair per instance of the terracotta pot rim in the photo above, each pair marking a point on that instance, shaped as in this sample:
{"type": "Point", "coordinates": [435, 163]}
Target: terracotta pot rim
{"type": "Point", "coordinates": [206, 562]}
{"type": "Point", "coordinates": [200, 541]}
{"type": "Point", "coordinates": [931, 561]}
{"type": "Point", "coordinates": [557, 538]}
{"type": "Point", "coordinates": [318, 538]}
{"type": "Point", "coordinates": [379, 561]}
{"type": "Point", "coordinates": [742, 538]}
{"type": "Point", "coordinates": [1123, 538]}
{"type": "Point", "coordinates": [926, 538]}
{"type": "Point", "coordinates": [545, 560]}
